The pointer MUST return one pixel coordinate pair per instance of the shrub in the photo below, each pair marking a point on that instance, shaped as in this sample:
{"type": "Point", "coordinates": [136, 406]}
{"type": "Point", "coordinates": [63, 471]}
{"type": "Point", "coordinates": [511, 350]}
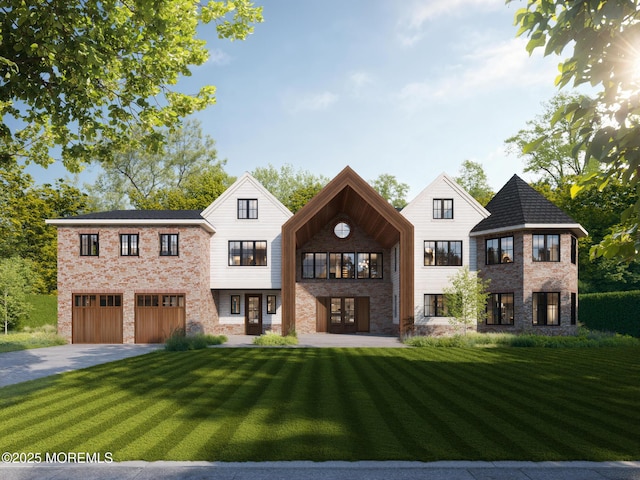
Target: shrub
{"type": "Point", "coordinates": [179, 342]}
{"type": "Point", "coordinates": [275, 339]}
{"type": "Point", "coordinates": [611, 312]}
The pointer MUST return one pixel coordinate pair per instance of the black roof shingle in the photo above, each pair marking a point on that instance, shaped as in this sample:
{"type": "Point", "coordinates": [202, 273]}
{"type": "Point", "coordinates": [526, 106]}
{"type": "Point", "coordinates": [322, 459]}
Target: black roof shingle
{"type": "Point", "coordinates": [516, 204]}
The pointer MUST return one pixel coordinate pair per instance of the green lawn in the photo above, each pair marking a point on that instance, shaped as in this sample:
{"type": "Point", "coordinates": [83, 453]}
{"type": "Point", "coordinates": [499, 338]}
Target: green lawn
{"type": "Point", "coordinates": [337, 404]}
{"type": "Point", "coordinates": [44, 311]}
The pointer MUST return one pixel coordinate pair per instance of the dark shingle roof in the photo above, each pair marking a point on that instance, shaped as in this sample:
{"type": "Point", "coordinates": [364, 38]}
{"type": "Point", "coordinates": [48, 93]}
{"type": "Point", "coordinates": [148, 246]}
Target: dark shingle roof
{"type": "Point", "coordinates": [517, 204]}
{"type": "Point", "coordinates": [141, 215]}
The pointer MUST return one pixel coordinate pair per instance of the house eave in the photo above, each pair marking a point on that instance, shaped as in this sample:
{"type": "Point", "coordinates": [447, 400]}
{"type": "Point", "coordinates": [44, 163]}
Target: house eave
{"type": "Point", "coordinates": [95, 222]}
{"type": "Point", "coordinates": [575, 228]}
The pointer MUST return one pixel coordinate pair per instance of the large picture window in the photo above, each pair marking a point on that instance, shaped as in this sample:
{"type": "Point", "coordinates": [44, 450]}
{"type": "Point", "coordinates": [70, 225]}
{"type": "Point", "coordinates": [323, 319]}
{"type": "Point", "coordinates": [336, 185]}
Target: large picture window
{"type": "Point", "coordinates": [443, 253]}
{"type": "Point", "coordinates": [442, 208]}
{"type": "Point", "coordinates": [314, 265]}
{"type": "Point", "coordinates": [499, 250]}
{"type": "Point", "coordinates": [247, 253]}
{"type": "Point", "coordinates": [89, 245]}
{"type": "Point", "coordinates": [247, 208]}
{"type": "Point", "coordinates": [369, 265]}
{"type": "Point", "coordinates": [546, 248]}
{"type": "Point", "coordinates": [546, 308]}
{"type": "Point", "coordinates": [434, 305]}
{"type": "Point", "coordinates": [500, 309]}
{"type": "Point", "coordinates": [129, 244]}
{"type": "Point", "coordinates": [169, 244]}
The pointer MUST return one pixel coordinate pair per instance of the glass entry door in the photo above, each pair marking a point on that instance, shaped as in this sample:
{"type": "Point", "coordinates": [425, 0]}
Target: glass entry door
{"type": "Point", "coordinates": [342, 315]}
{"type": "Point", "coordinates": [253, 314]}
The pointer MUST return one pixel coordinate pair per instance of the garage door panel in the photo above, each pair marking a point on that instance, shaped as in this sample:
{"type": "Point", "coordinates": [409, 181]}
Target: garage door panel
{"type": "Point", "coordinates": [158, 316]}
{"type": "Point", "coordinates": [93, 323]}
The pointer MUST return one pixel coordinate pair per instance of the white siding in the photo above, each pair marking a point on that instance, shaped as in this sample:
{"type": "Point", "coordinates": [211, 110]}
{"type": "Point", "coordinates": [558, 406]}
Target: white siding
{"type": "Point", "coordinates": [223, 214]}
{"type": "Point", "coordinates": [227, 318]}
{"type": "Point", "coordinates": [466, 214]}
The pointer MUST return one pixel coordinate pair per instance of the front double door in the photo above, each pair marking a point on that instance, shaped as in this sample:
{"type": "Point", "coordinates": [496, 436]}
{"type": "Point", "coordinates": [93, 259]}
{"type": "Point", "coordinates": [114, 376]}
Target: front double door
{"type": "Point", "coordinates": [342, 315]}
{"type": "Point", "coordinates": [253, 314]}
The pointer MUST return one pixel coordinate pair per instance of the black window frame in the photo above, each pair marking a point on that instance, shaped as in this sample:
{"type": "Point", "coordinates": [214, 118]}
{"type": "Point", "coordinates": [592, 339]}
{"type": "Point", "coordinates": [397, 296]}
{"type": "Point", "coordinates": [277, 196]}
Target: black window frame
{"type": "Point", "coordinates": [437, 258]}
{"type": "Point", "coordinates": [540, 316]}
{"type": "Point", "coordinates": [272, 305]}
{"type": "Point", "coordinates": [169, 250]}
{"type": "Point", "coordinates": [248, 253]}
{"type": "Point", "coordinates": [235, 305]}
{"type": "Point", "coordinates": [501, 254]}
{"type": "Point", "coordinates": [246, 210]}
{"type": "Point", "coordinates": [315, 268]}
{"type": "Point", "coordinates": [125, 240]}
{"type": "Point", "coordinates": [440, 306]}
{"type": "Point", "coordinates": [494, 303]}
{"type": "Point", "coordinates": [89, 244]}
{"type": "Point", "coordinates": [547, 252]}
{"type": "Point", "coordinates": [440, 209]}
{"type": "Point", "coordinates": [574, 250]}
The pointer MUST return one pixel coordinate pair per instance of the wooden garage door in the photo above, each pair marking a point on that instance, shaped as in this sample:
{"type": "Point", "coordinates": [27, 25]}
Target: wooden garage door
{"type": "Point", "coordinates": [97, 318]}
{"type": "Point", "coordinates": [158, 316]}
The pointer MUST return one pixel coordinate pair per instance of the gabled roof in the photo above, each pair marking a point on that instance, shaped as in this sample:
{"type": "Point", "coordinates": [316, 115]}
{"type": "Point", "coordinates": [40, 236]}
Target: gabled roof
{"type": "Point", "coordinates": [246, 177]}
{"type": "Point", "coordinates": [444, 178]}
{"type": "Point", "coordinates": [519, 206]}
{"type": "Point", "coordinates": [136, 217]}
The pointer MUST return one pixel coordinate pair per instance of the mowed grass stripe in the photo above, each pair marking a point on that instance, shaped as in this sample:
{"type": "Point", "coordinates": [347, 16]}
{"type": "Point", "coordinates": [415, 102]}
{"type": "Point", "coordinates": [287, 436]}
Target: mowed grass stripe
{"type": "Point", "coordinates": [583, 424]}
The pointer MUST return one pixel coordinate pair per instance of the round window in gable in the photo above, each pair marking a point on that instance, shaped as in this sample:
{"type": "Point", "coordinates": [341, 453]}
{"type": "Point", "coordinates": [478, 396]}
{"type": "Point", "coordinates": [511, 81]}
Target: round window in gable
{"type": "Point", "coordinates": [342, 230]}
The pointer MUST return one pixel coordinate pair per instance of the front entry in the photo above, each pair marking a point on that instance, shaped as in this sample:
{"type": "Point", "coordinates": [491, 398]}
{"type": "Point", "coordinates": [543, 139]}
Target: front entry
{"type": "Point", "coordinates": [253, 314]}
{"type": "Point", "coordinates": [342, 317]}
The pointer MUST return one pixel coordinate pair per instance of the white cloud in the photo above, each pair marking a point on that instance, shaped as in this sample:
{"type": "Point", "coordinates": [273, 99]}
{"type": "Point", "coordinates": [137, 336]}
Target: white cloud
{"type": "Point", "coordinates": [487, 67]}
{"type": "Point", "coordinates": [360, 79]}
{"type": "Point", "coordinates": [310, 102]}
{"type": "Point", "coordinates": [218, 57]}
{"type": "Point", "coordinates": [417, 13]}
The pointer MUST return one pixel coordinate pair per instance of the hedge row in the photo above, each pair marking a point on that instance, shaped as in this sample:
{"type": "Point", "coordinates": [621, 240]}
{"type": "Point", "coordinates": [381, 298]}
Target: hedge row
{"type": "Point", "coordinates": [612, 312]}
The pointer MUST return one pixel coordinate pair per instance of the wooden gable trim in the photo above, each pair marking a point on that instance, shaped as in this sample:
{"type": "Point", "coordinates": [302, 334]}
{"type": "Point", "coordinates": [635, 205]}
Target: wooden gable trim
{"type": "Point", "coordinates": [386, 214]}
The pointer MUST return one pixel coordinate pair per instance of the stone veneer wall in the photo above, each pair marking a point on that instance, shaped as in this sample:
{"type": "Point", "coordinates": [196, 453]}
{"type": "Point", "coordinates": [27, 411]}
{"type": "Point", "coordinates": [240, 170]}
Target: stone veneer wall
{"type": "Point", "coordinates": [379, 291]}
{"type": "Point", "coordinates": [110, 273]}
{"type": "Point", "coordinates": [523, 277]}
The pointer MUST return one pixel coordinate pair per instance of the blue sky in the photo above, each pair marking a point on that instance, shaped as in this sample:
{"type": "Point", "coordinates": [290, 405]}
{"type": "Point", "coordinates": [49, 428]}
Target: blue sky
{"type": "Point", "coordinates": [406, 87]}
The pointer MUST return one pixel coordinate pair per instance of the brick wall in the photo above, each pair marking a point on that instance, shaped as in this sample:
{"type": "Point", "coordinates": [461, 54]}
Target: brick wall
{"type": "Point", "coordinates": [379, 291]}
{"type": "Point", "coordinates": [149, 272]}
{"type": "Point", "coordinates": [523, 277]}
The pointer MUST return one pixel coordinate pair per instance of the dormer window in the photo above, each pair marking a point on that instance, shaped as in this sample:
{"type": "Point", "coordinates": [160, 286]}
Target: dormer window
{"type": "Point", "coordinates": [247, 208]}
{"type": "Point", "coordinates": [442, 208]}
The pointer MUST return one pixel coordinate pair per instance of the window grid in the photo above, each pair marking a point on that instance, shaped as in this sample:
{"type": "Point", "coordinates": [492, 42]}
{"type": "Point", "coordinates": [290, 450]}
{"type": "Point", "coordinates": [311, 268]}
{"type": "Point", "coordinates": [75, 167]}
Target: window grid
{"type": "Point", "coordinates": [247, 208]}
{"type": "Point", "coordinates": [169, 244]}
{"type": "Point", "coordinates": [271, 304]}
{"type": "Point", "coordinates": [499, 250]}
{"type": "Point", "coordinates": [443, 253]}
{"type": "Point", "coordinates": [89, 244]}
{"type": "Point", "coordinates": [546, 308]}
{"type": "Point", "coordinates": [546, 248]}
{"type": "Point", "coordinates": [129, 244]}
{"type": "Point", "coordinates": [500, 309]}
{"type": "Point", "coordinates": [442, 208]}
{"type": "Point", "coordinates": [235, 304]}
{"type": "Point", "coordinates": [247, 253]}
{"type": "Point", "coordinates": [434, 305]}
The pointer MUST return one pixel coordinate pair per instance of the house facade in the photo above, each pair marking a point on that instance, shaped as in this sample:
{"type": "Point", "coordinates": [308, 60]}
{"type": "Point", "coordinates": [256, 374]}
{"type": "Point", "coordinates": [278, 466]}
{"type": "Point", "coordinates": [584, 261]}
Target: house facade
{"type": "Point", "coordinates": [347, 262]}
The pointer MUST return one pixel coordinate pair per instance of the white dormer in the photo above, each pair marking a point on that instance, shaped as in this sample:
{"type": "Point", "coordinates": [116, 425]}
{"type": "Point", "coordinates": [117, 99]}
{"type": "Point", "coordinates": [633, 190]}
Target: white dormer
{"type": "Point", "coordinates": [246, 250]}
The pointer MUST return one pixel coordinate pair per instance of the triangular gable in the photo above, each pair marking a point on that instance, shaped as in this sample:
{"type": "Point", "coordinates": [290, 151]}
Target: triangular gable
{"type": "Point", "coordinates": [455, 186]}
{"type": "Point", "coordinates": [231, 191]}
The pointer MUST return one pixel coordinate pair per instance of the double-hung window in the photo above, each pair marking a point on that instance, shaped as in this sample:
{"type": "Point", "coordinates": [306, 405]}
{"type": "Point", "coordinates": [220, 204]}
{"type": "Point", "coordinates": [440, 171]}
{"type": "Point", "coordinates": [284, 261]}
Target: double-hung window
{"type": "Point", "coordinates": [434, 305]}
{"type": "Point", "coordinates": [89, 245]}
{"type": "Point", "coordinates": [442, 208]}
{"type": "Point", "coordinates": [247, 208]}
{"type": "Point", "coordinates": [499, 250]}
{"type": "Point", "coordinates": [546, 308]}
{"type": "Point", "coordinates": [443, 253]}
{"type": "Point", "coordinates": [169, 244]}
{"type": "Point", "coordinates": [546, 248]}
{"type": "Point", "coordinates": [247, 253]}
{"type": "Point", "coordinates": [500, 309]}
{"type": "Point", "coordinates": [129, 244]}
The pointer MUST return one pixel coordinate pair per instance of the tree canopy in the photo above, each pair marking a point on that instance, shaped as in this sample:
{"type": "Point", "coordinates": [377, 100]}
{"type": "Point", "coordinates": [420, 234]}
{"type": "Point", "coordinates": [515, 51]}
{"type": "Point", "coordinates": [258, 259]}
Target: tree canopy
{"type": "Point", "coordinates": [602, 38]}
{"type": "Point", "coordinates": [82, 74]}
{"type": "Point", "coordinates": [391, 189]}
{"type": "Point", "coordinates": [473, 179]}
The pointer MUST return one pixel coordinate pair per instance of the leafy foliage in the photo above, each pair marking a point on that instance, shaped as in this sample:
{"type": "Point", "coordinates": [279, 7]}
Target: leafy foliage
{"type": "Point", "coordinates": [294, 188]}
{"type": "Point", "coordinates": [16, 280]}
{"type": "Point", "coordinates": [466, 299]}
{"type": "Point", "coordinates": [391, 189]}
{"type": "Point", "coordinates": [179, 342]}
{"type": "Point", "coordinates": [611, 312]}
{"type": "Point", "coordinates": [473, 179]}
{"type": "Point", "coordinates": [275, 339]}
{"type": "Point", "coordinates": [44, 336]}
{"type": "Point", "coordinates": [81, 74]}
{"type": "Point", "coordinates": [603, 38]}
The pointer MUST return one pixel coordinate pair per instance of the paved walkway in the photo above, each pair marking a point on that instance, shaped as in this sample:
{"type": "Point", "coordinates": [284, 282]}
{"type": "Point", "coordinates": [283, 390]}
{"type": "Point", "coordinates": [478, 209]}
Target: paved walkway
{"type": "Point", "coordinates": [322, 340]}
{"type": "Point", "coordinates": [330, 470]}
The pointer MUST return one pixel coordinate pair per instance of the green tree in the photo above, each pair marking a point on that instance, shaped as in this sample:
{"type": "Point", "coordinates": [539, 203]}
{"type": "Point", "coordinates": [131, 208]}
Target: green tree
{"type": "Point", "coordinates": [391, 189]}
{"type": "Point", "coordinates": [473, 179]}
{"type": "Point", "coordinates": [466, 299]}
{"type": "Point", "coordinates": [16, 278]}
{"type": "Point", "coordinates": [176, 177]}
{"type": "Point", "coordinates": [557, 158]}
{"type": "Point", "coordinates": [82, 74]}
{"type": "Point", "coordinates": [602, 38]}
{"type": "Point", "coordinates": [294, 188]}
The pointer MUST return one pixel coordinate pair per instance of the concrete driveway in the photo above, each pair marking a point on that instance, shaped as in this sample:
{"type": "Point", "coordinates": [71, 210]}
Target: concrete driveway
{"type": "Point", "coordinates": [23, 365]}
